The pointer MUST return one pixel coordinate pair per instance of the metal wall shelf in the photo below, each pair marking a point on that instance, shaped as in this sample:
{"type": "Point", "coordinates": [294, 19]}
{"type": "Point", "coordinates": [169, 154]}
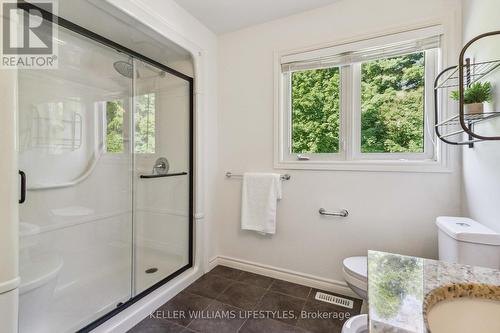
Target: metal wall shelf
{"type": "Point", "coordinates": [451, 129]}
{"type": "Point", "coordinates": [473, 73]}
{"type": "Point", "coordinates": [469, 118]}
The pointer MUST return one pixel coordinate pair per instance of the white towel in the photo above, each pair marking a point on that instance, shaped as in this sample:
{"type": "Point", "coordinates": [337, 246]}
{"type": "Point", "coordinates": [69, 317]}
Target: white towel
{"type": "Point", "coordinates": [259, 199]}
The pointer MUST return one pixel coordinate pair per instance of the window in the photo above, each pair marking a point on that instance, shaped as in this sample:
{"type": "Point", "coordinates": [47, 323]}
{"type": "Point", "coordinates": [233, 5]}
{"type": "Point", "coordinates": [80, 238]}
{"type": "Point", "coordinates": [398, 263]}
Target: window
{"type": "Point", "coordinates": [145, 124]}
{"type": "Point", "coordinates": [392, 104]}
{"type": "Point", "coordinates": [114, 126]}
{"type": "Point", "coordinates": [359, 102]}
{"type": "Point", "coordinates": [315, 111]}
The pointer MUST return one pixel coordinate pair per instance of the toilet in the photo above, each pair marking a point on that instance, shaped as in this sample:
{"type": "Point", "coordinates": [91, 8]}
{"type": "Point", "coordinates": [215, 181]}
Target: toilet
{"type": "Point", "coordinates": [465, 241]}
{"type": "Point", "coordinates": [355, 271]}
{"type": "Point", "coordinates": [357, 324]}
{"type": "Point", "coordinates": [461, 240]}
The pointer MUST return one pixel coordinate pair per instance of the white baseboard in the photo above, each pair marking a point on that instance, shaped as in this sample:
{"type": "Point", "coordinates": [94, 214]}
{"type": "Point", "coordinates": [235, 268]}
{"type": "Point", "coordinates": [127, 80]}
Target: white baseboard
{"type": "Point", "coordinates": [334, 286]}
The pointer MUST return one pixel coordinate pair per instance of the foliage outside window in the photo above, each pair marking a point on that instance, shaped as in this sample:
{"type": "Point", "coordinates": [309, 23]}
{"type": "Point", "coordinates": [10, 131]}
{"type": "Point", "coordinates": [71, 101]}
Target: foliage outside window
{"type": "Point", "coordinates": [360, 102]}
{"type": "Point", "coordinates": [392, 104]}
{"type": "Point", "coordinates": [145, 124]}
{"type": "Point", "coordinates": [114, 126]}
{"type": "Point", "coordinates": [315, 111]}
{"type": "Point", "coordinates": [392, 107]}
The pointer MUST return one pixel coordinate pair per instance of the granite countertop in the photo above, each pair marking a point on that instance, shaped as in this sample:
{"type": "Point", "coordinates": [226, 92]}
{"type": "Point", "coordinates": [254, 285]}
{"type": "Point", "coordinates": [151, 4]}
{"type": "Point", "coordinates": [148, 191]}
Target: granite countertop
{"type": "Point", "coordinates": [401, 287]}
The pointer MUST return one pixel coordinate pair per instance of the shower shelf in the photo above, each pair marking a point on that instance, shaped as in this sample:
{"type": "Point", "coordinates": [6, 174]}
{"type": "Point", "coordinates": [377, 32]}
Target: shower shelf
{"type": "Point", "coordinates": [163, 176]}
{"type": "Point", "coordinates": [71, 133]}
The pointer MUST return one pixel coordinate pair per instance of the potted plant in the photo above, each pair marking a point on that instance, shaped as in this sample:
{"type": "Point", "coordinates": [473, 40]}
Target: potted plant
{"type": "Point", "coordinates": [474, 97]}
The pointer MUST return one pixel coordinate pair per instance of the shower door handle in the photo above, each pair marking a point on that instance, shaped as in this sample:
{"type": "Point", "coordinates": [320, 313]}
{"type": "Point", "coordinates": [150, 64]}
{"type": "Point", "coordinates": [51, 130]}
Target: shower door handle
{"type": "Point", "coordinates": [23, 187]}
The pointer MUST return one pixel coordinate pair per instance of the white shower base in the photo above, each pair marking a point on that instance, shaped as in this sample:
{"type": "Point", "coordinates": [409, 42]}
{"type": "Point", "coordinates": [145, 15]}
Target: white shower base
{"type": "Point", "coordinates": [147, 258]}
{"type": "Point", "coordinates": [85, 300]}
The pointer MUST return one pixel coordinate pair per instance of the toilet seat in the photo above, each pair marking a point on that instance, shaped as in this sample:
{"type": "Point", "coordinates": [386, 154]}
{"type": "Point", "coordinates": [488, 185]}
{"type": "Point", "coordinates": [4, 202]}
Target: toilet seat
{"type": "Point", "coordinates": [356, 272]}
{"type": "Point", "coordinates": [357, 324]}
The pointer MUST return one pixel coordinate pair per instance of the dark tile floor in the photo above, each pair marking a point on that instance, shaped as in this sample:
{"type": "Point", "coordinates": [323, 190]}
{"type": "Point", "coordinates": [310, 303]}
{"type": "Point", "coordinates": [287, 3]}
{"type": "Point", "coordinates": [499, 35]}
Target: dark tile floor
{"type": "Point", "coordinates": [228, 300]}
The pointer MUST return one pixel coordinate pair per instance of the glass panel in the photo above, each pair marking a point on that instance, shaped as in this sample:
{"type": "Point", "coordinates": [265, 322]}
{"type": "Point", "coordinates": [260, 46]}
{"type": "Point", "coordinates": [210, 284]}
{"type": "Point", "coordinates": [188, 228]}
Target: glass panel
{"type": "Point", "coordinates": [315, 111]}
{"type": "Point", "coordinates": [114, 126]}
{"type": "Point", "coordinates": [76, 225]}
{"type": "Point", "coordinates": [161, 204]}
{"type": "Point", "coordinates": [145, 123]}
{"type": "Point", "coordinates": [392, 99]}
{"type": "Point", "coordinates": [85, 137]}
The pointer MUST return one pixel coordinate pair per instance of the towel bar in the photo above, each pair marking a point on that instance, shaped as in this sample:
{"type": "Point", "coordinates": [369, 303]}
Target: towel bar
{"type": "Point", "coordinates": [342, 213]}
{"type": "Point", "coordinates": [230, 174]}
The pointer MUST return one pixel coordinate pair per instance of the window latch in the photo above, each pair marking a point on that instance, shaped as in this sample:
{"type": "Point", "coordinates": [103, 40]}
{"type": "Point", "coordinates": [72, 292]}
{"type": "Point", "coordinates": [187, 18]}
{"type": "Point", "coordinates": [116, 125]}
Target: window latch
{"type": "Point", "coordinates": [301, 157]}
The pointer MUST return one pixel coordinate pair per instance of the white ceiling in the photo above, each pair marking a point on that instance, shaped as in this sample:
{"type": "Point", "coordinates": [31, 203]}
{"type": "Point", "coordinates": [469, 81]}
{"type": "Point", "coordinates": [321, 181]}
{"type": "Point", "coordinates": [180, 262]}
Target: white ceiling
{"type": "Point", "coordinates": [223, 16]}
{"type": "Point", "coordinates": [102, 18]}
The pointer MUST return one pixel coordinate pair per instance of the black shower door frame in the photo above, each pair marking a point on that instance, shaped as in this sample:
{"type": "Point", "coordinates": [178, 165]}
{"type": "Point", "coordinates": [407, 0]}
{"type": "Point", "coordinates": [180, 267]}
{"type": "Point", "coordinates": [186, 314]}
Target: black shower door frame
{"type": "Point", "coordinates": [122, 49]}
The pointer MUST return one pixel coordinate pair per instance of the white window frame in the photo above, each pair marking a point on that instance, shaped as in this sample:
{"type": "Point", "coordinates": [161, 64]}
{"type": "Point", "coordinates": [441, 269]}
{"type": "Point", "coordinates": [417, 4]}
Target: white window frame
{"type": "Point", "coordinates": [350, 156]}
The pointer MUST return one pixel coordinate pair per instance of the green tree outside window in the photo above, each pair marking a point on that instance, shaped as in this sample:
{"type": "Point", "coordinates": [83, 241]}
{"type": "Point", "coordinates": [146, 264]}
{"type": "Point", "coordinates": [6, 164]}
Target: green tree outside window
{"type": "Point", "coordinates": [114, 130]}
{"type": "Point", "coordinates": [315, 111]}
{"type": "Point", "coordinates": [392, 107]}
{"type": "Point", "coordinates": [145, 125]}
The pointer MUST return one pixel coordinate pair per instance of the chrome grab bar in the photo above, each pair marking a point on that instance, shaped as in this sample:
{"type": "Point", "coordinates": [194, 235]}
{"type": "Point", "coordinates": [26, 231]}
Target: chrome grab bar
{"type": "Point", "coordinates": [342, 213]}
{"type": "Point", "coordinates": [283, 177]}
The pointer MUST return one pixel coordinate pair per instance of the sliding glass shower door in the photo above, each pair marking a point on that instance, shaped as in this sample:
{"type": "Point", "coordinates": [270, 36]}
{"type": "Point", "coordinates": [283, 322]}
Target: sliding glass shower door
{"type": "Point", "coordinates": [76, 224]}
{"type": "Point", "coordinates": [105, 144]}
{"type": "Point", "coordinates": [162, 164]}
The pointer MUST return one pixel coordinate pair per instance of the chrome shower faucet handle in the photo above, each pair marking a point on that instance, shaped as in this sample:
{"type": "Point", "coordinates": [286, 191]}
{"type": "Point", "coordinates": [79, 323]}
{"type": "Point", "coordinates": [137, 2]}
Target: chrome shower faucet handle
{"type": "Point", "coordinates": [161, 166]}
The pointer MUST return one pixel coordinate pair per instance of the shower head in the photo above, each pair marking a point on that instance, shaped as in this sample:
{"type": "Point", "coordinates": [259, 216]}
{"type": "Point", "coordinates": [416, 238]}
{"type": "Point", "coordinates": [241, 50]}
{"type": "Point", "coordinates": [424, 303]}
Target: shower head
{"type": "Point", "coordinates": [125, 68]}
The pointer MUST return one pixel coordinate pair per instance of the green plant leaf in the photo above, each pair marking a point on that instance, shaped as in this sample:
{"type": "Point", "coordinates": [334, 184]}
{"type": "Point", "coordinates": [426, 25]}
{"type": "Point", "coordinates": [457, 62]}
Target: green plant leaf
{"type": "Point", "coordinates": [476, 93]}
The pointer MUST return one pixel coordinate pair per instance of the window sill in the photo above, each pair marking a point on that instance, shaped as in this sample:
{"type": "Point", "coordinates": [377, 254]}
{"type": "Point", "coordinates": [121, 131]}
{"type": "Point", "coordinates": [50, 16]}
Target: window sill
{"type": "Point", "coordinates": [367, 165]}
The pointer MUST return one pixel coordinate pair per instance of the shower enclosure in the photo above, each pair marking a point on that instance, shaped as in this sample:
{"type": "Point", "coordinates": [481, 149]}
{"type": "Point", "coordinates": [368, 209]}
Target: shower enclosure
{"type": "Point", "coordinates": [105, 145]}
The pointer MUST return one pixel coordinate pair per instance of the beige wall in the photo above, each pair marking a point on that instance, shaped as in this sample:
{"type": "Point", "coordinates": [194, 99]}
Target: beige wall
{"type": "Point", "coordinates": [481, 176]}
{"type": "Point", "coordinates": [10, 183]}
{"type": "Point", "coordinates": [391, 211]}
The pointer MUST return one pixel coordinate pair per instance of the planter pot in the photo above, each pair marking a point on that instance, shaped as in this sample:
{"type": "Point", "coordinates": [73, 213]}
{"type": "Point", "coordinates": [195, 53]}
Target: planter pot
{"type": "Point", "coordinates": [475, 108]}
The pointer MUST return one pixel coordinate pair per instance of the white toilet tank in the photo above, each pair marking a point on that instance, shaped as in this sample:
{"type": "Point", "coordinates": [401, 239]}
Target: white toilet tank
{"type": "Point", "coordinates": [465, 241]}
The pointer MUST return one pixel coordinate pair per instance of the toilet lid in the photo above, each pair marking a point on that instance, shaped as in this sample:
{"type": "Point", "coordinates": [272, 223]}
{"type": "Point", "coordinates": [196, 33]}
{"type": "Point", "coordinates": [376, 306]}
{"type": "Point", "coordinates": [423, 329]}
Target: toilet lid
{"type": "Point", "coordinates": [357, 267]}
